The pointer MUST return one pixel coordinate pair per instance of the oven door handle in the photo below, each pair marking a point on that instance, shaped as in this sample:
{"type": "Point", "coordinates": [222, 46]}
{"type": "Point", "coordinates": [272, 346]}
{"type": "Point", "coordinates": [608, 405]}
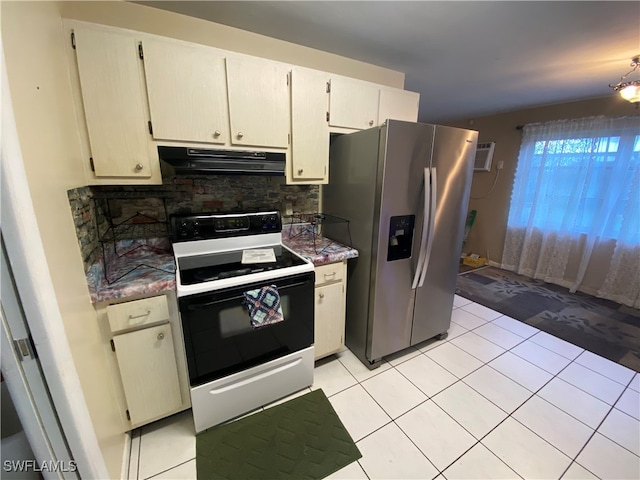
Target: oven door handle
{"type": "Point", "coordinates": [206, 305]}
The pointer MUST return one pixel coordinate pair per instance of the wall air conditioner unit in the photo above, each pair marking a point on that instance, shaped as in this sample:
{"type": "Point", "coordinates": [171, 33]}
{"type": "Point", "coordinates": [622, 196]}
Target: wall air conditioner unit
{"type": "Point", "coordinates": [484, 155]}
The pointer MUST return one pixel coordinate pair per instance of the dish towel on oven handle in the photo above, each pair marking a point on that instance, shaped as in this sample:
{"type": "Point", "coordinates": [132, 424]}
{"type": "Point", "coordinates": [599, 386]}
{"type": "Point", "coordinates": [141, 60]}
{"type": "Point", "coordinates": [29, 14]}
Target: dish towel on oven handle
{"type": "Point", "coordinates": [264, 306]}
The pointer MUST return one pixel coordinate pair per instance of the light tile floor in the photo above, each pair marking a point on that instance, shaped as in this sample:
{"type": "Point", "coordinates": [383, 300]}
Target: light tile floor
{"type": "Point", "coordinates": [496, 399]}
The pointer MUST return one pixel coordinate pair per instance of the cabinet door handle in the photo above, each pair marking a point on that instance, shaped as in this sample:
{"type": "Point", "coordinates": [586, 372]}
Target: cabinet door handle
{"type": "Point", "coordinates": [139, 166]}
{"type": "Point", "coordinates": [300, 170]}
{"type": "Point", "coordinates": [240, 134]}
{"type": "Point", "coordinates": [160, 336]}
{"type": "Point", "coordinates": [370, 122]}
{"type": "Point", "coordinates": [131, 317]}
{"type": "Point", "coordinates": [217, 133]}
{"type": "Point", "coordinates": [321, 295]}
{"type": "Point", "coordinates": [332, 274]}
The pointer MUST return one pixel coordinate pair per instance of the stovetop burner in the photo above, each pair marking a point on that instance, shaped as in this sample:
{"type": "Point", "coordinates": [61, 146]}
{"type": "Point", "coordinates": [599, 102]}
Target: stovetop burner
{"type": "Point", "coordinates": [217, 266]}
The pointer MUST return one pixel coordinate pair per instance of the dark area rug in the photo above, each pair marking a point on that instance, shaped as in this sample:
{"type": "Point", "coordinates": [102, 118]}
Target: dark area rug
{"type": "Point", "coordinates": [603, 327]}
{"type": "Point", "coordinates": [299, 439]}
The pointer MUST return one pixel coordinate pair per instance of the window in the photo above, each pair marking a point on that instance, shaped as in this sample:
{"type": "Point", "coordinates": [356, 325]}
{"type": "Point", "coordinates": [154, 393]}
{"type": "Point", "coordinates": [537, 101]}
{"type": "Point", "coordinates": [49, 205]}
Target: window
{"type": "Point", "coordinates": [580, 177]}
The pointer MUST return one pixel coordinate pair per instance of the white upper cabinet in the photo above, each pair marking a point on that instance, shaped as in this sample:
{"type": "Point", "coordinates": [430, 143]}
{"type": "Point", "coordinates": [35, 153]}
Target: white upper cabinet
{"type": "Point", "coordinates": [397, 104]}
{"type": "Point", "coordinates": [352, 103]}
{"type": "Point", "coordinates": [187, 90]}
{"type": "Point", "coordinates": [309, 127]}
{"type": "Point", "coordinates": [259, 105]}
{"type": "Point", "coordinates": [113, 99]}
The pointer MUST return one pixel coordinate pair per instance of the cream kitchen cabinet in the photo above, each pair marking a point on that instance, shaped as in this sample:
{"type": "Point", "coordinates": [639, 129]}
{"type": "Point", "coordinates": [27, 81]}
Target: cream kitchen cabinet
{"type": "Point", "coordinates": [259, 105]}
{"type": "Point", "coordinates": [187, 91]}
{"type": "Point", "coordinates": [206, 95]}
{"type": "Point", "coordinates": [330, 308]}
{"type": "Point", "coordinates": [146, 355]}
{"type": "Point", "coordinates": [397, 104]}
{"type": "Point", "coordinates": [309, 162]}
{"type": "Point", "coordinates": [111, 93]}
{"type": "Point", "coordinates": [352, 103]}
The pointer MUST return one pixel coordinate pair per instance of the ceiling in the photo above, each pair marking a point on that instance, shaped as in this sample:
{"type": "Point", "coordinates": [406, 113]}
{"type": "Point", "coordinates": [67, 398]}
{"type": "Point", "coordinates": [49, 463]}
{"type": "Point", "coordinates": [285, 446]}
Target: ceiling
{"type": "Point", "coordinates": [466, 59]}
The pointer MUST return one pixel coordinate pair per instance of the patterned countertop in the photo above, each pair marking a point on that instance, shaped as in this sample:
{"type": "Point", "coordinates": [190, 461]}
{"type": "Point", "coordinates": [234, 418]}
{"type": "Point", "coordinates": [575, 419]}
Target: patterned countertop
{"type": "Point", "coordinates": [320, 250]}
{"type": "Point", "coordinates": [138, 268]}
{"type": "Point", "coordinates": [148, 267]}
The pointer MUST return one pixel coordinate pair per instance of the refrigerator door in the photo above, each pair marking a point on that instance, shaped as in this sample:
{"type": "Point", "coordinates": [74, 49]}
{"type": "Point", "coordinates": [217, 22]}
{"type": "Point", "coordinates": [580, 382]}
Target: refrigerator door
{"type": "Point", "coordinates": [353, 194]}
{"type": "Point", "coordinates": [452, 168]}
{"type": "Point", "coordinates": [405, 153]}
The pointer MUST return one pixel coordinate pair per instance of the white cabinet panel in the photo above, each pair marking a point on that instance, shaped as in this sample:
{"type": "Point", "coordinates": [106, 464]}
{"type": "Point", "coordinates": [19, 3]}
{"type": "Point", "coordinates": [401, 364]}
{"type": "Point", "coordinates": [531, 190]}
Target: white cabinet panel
{"type": "Point", "coordinates": [352, 103]}
{"type": "Point", "coordinates": [309, 161]}
{"type": "Point", "coordinates": [137, 313]}
{"type": "Point", "coordinates": [329, 319]}
{"type": "Point", "coordinates": [113, 100]}
{"type": "Point", "coordinates": [398, 104]}
{"type": "Point", "coordinates": [259, 105]}
{"type": "Point", "coordinates": [330, 308]}
{"type": "Point", "coordinates": [147, 363]}
{"type": "Point", "coordinates": [187, 89]}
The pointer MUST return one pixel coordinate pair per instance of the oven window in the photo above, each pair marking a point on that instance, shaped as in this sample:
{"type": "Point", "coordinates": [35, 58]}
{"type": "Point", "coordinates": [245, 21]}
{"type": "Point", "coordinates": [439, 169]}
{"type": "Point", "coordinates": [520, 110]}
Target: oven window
{"type": "Point", "coordinates": [235, 319]}
{"type": "Point", "coordinates": [220, 340]}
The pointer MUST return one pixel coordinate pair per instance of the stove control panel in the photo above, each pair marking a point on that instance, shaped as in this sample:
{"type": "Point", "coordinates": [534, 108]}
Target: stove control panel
{"type": "Point", "coordinates": [206, 226]}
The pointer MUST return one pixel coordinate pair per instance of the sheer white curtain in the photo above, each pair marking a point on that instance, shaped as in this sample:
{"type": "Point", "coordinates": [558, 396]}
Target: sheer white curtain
{"type": "Point", "coordinates": [576, 190]}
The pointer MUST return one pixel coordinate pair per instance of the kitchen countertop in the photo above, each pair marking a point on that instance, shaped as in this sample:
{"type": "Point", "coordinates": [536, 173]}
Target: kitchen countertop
{"type": "Point", "coordinates": [146, 268]}
{"type": "Point", "coordinates": [149, 267]}
{"type": "Point", "coordinates": [301, 238]}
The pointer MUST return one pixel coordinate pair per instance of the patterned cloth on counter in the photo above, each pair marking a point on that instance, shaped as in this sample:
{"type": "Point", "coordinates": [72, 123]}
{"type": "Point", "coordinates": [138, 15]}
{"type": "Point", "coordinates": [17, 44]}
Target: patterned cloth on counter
{"type": "Point", "coordinates": [264, 306]}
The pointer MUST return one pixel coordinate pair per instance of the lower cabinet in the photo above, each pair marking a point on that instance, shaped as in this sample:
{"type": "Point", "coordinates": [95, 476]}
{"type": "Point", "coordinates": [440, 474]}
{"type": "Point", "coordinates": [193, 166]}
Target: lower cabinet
{"type": "Point", "coordinates": [147, 358]}
{"type": "Point", "coordinates": [330, 304]}
{"type": "Point", "coordinates": [147, 364]}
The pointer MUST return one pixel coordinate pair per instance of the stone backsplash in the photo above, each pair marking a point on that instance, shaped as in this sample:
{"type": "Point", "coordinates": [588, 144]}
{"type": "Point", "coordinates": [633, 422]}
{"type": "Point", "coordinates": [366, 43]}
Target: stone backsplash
{"type": "Point", "coordinates": [138, 209]}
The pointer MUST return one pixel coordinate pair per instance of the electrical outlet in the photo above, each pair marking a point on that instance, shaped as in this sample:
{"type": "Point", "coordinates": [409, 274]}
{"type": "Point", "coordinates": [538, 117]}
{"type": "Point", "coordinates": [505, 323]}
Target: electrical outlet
{"type": "Point", "coordinates": [288, 209]}
{"type": "Point", "coordinates": [500, 165]}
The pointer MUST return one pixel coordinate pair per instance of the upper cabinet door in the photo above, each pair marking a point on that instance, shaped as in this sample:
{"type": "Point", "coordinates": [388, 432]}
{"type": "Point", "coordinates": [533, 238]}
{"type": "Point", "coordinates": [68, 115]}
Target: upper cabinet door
{"type": "Point", "coordinates": [259, 104]}
{"type": "Point", "coordinates": [352, 103]}
{"type": "Point", "coordinates": [309, 128]}
{"type": "Point", "coordinates": [187, 89]}
{"type": "Point", "coordinates": [396, 104]}
{"type": "Point", "coordinates": [113, 99]}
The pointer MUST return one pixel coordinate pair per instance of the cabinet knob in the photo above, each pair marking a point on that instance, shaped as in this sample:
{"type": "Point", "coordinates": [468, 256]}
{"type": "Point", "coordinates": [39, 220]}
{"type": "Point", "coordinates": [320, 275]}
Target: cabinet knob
{"type": "Point", "coordinates": [371, 123]}
{"type": "Point", "coordinates": [300, 170]}
{"type": "Point", "coordinates": [240, 134]}
{"type": "Point", "coordinates": [217, 133]}
{"type": "Point", "coordinates": [160, 336]}
{"type": "Point", "coordinates": [321, 295]}
{"type": "Point", "coordinates": [139, 166]}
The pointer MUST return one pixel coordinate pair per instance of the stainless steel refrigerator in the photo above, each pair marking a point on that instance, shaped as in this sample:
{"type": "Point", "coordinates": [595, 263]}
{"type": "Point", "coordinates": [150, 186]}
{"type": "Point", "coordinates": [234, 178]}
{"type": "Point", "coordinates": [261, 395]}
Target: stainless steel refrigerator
{"type": "Point", "coordinates": [404, 187]}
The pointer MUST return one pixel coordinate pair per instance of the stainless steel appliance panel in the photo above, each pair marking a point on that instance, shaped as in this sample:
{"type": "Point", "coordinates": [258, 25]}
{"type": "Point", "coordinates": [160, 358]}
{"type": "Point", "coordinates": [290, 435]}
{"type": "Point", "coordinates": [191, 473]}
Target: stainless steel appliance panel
{"type": "Point", "coordinates": [407, 154]}
{"type": "Point", "coordinates": [452, 162]}
{"type": "Point", "coordinates": [352, 191]}
{"type": "Point", "coordinates": [384, 181]}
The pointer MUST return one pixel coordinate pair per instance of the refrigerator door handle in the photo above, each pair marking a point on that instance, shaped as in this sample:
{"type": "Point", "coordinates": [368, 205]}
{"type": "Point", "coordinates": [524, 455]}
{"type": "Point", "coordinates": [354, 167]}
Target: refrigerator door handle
{"type": "Point", "coordinates": [432, 216]}
{"type": "Point", "coordinates": [423, 240]}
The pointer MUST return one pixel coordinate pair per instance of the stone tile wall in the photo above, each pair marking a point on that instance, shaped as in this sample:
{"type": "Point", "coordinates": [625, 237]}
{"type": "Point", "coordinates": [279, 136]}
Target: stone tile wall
{"type": "Point", "coordinates": [137, 205]}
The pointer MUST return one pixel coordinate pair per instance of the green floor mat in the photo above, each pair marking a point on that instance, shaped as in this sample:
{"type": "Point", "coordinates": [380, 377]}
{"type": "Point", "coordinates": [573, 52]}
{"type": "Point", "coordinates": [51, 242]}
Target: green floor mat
{"type": "Point", "coordinates": [300, 439]}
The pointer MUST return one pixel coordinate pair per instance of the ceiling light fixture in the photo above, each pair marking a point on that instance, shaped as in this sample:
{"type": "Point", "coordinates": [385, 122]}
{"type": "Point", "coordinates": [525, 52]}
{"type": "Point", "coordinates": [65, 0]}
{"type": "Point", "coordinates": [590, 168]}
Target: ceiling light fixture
{"type": "Point", "coordinates": [629, 90]}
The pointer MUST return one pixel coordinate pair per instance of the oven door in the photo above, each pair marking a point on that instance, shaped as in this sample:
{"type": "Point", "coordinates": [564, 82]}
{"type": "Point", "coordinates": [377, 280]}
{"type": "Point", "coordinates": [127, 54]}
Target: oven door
{"type": "Point", "coordinates": [220, 339]}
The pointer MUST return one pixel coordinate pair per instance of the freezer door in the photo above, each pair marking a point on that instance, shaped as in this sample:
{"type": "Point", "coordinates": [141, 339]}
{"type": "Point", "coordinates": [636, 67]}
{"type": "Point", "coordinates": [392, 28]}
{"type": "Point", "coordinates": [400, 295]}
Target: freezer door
{"type": "Point", "coordinates": [452, 167]}
{"type": "Point", "coordinates": [405, 154]}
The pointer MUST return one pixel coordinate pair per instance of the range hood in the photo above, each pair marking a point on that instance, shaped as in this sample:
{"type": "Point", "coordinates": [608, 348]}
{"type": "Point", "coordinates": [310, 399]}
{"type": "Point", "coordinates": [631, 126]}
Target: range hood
{"type": "Point", "coordinates": [202, 161]}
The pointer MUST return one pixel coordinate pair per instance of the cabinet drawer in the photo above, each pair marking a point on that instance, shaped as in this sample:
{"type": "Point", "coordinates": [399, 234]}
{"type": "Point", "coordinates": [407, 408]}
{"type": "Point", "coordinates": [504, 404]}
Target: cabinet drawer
{"type": "Point", "coordinates": [332, 272]}
{"type": "Point", "coordinates": [137, 313]}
